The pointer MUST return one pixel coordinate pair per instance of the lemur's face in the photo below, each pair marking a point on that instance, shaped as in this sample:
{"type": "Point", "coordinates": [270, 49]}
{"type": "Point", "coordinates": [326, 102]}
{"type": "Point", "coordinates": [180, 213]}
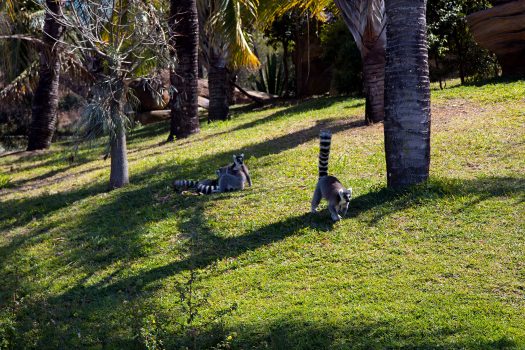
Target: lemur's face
{"type": "Point", "coordinates": [238, 159]}
{"type": "Point", "coordinates": [345, 196]}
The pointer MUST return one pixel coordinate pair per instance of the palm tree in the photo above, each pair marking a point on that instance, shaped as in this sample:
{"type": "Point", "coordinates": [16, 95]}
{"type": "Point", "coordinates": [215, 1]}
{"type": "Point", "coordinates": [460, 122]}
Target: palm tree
{"type": "Point", "coordinates": [366, 20]}
{"type": "Point", "coordinates": [45, 99]}
{"type": "Point", "coordinates": [184, 23]}
{"type": "Point", "coordinates": [407, 94]}
{"type": "Point", "coordinates": [116, 43]}
{"type": "Point", "coordinates": [225, 45]}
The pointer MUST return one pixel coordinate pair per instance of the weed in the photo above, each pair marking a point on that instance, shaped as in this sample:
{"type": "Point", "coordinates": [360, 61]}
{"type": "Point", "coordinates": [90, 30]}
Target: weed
{"type": "Point", "coordinates": [4, 180]}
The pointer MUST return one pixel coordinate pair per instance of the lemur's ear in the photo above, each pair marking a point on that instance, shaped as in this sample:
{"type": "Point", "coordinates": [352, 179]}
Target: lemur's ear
{"type": "Point", "coordinates": [234, 157]}
{"type": "Point", "coordinates": [242, 155]}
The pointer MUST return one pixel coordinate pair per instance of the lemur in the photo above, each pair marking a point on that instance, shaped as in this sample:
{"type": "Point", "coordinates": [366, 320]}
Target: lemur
{"type": "Point", "coordinates": [328, 187]}
{"type": "Point", "coordinates": [232, 177]}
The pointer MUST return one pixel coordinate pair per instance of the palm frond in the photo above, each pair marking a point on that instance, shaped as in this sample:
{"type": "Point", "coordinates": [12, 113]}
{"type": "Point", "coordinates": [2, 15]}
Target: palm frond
{"type": "Point", "coordinates": [269, 10]}
{"type": "Point", "coordinates": [226, 23]}
{"type": "Point", "coordinates": [22, 86]}
{"type": "Point", "coordinates": [366, 20]}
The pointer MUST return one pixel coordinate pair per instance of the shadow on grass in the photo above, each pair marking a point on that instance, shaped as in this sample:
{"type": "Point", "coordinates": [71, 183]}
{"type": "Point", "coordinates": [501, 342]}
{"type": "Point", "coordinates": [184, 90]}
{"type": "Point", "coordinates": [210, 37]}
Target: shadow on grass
{"type": "Point", "coordinates": [112, 233]}
{"type": "Point", "coordinates": [310, 105]}
{"type": "Point", "coordinates": [149, 131]}
{"type": "Point", "coordinates": [389, 201]}
{"type": "Point", "coordinates": [358, 333]}
{"type": "Point", "coordinates": [96, 309]}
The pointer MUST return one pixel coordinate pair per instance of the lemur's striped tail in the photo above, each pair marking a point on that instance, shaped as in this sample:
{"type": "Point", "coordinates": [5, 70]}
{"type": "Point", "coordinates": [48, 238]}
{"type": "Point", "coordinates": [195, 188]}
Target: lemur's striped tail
{"type": "Point", "coordinates": [207, 189]}
{"type": "Point", "coordinates": [183, 184]}
{"type": "Point", "coordinates": [324, 151]}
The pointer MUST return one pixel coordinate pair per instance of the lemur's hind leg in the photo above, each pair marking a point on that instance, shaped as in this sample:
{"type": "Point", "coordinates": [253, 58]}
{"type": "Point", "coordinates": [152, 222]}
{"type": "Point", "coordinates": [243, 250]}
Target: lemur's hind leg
{"type": "Point", "coordinates": [316, 199]}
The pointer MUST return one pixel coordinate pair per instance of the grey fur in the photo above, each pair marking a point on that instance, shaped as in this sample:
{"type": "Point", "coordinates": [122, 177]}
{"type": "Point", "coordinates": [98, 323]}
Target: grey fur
{"type": "Point", "coordinates": [233, 177]}
{"type": "Point", "coordinates": [329, 187]}
{"type": "Point", "coordinates": [230, 178]}
{"type": "Point", "coordinates": [338, 197]}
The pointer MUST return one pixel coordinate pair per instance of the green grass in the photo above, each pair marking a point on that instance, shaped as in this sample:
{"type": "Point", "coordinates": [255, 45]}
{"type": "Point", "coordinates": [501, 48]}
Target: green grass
{"type": "Point", "coordinates": [438, 266]}
{"type": "Point", "coordinates": [4, 180]}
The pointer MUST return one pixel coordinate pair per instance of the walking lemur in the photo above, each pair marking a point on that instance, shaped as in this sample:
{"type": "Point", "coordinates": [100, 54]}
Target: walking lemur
{"type": "Point", "coordinates": [329, 187]}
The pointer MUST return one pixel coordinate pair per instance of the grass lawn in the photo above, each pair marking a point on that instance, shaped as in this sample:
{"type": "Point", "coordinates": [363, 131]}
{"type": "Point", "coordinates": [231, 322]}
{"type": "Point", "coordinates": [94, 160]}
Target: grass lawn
{"type": "Point", "coordinates": [439, 266]}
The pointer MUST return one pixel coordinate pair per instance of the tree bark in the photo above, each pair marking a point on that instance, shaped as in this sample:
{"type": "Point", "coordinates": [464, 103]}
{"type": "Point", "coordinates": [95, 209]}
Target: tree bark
{"type": "Point", "coordinates": [286, 56]}
{"type": "Point", "coordinates": [407, 94]}
{"type": "Point", "coordinates": [184, 104]}
{"type": "Point", "coordinates": [366, 21]}
{"type": "Point", "coordinates": [119, 175]}
{"type": "Point", "coordinates": [218, 89]}
{"type": "Point", "coordinates": [374, 83]}
{"type": "Point", "coordinates": [45, 100]}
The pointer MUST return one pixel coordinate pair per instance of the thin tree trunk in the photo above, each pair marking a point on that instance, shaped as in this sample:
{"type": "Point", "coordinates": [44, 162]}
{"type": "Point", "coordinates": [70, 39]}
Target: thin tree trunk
{"type": "Point", "coordinates": [459, 47]}
{"type": "Point", "coordinates": [45, 100]}
{"type": "Point", "coordinates": [438, 70]}
{"type": "Point", "coordinates": [232, 79]}
{"type": "Point", "coordinates": [374, 83]}
{"type": "Point", "coordinates": [286, 54]}
{"type": "Point", "coordinates": [218, 86]}
{"type": "Point", "coordinates": [184, 104]}
{"type": "Point", "coordinates": [119, 175]}
{"type": "Point", "coordinates": [407, 94]}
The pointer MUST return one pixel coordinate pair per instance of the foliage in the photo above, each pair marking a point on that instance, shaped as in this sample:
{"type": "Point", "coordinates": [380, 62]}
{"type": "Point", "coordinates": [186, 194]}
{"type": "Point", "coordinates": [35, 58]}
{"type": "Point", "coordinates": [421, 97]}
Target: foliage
{"type": "Point", "coordinates": [150, 334]}
{"type": "Point", "coordinates": [23, 17]}
{"type": "Point", "coordinates": [438, 266]}
{"type": "Point", "coordinates": [271, 78]}
{"type": "Point", "coordinates": [281, 35]}
{"type": "Point", "coordinates": [451, 46]}
{"type": "Point", "coordinates": [340, 49]}
{"type": "Point", "coordinates": [15, 120]}
{"type": "Point", "coordinates": [225, 29]}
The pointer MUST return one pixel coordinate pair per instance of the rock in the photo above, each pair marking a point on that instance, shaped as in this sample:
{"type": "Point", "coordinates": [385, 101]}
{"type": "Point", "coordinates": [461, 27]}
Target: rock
{"type": "Point", "coordinates": [501, 29]}
{"type": "Point", "coordinates": [151, 93]}
{"type": "Point", "coordinates": [204, 102]}
{"type": "Point", "coordinates": [153, 116]}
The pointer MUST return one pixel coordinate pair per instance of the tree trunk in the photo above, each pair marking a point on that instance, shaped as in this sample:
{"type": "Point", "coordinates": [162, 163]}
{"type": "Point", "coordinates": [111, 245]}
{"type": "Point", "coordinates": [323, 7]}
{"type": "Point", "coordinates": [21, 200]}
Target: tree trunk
{"type": "Point", "coordinates": [461, 59]}
{"type": "Point", "coordinates": [232, 80]}
{"type": "Point", "coordinates": [407, 94]}
{"type": "Point", "coordinates": [45, 100]}
{"type": "Point", "coordinates": [366, 21]}
{"type": "Point", "coordinates": [286, 56]}
{"type": "Point", "coordinates": [218, 89]}
{"type": "Point", "coordinates": [184, 104]}
{"type": "Point", "coordinates": [374, 83]}
{"type": "Point", "coordinates": [119, 160]}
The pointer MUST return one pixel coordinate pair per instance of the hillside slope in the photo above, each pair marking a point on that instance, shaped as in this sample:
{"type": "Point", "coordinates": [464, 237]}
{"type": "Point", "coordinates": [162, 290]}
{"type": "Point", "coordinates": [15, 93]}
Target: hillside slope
{"type": "Point", "coordinates": [440, 266]}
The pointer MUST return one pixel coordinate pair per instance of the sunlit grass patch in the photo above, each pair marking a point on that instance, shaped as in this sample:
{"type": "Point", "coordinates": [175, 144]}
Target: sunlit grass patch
{"type": "Point", "coordinates": [437, 266]}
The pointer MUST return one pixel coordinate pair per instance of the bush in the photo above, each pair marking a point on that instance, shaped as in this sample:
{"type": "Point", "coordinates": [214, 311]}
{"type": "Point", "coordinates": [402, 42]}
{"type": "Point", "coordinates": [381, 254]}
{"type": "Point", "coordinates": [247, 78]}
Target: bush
{"type": "Point", "coordinates": [340, 50]}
